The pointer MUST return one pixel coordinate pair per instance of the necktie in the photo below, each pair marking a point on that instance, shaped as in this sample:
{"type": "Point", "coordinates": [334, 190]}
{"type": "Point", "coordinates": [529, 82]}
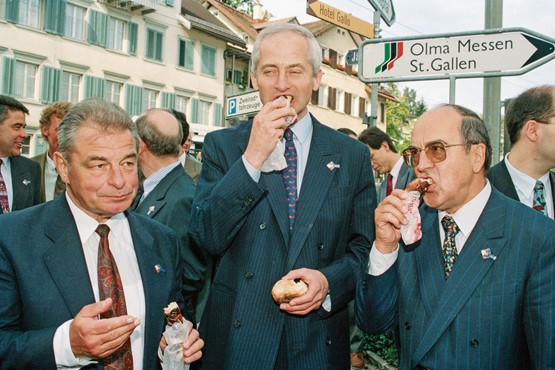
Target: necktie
{"type": "Point", "coordinates": [449, 248]}
{"type": "Point", "coordinates": [290, 175]}
{"type": "Point", "coordinates": [389, 187]}
{"type": "Point", "coordinates": [539, 198]}
{"type": "Point", "coordinates": [59, 187]}
{"type": "Point", "coordinates": [110, 286]}
{"type": "Point", "coordinates": [4, 202]}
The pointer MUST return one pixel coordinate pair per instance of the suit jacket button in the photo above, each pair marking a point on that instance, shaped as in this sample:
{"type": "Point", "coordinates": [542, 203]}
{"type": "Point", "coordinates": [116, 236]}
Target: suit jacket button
{"type": "Point", "coordinates": [328, 342]}
{"type": "Point", "coordinates": [262, 226]}
{"type": "Point", "coordinates": [236, 323]}
{"type": "Point", "coordinates": [407, 326]}
{"type": "Point", "coordinates": [320, 246]}
{"type": "Point", "coordinates": [474, 343]}
{"type": "Point", "coordinates": [249, 275]}
{"type": "Point", "coordinates": [250, 198]}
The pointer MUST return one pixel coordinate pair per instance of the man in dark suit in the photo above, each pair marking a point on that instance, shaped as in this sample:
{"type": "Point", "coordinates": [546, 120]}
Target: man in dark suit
{"type": "Point", "coordinates": [476, 291]}
{"type": "Point", "coordinates": [190, 164]}
{"type": "Point", "coordinates": [50, 118]}
{"type": "Point", "coordinates": [386, 160]}
{"type": "Point", "coordinates": [318, 231]}
{"type": "Point", "coordinates": [19, 176]}
{"type": "Point", "coordinates": [52, 313]}
{"type": "Point", "coordinates": [525, 170]}
{"type": "Point", "coordinates": [168, 193]}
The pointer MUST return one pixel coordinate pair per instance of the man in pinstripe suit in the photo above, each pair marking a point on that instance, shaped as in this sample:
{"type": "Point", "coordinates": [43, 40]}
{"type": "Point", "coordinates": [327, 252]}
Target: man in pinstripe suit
{"type": "Point", "coordinates": [485, 297]}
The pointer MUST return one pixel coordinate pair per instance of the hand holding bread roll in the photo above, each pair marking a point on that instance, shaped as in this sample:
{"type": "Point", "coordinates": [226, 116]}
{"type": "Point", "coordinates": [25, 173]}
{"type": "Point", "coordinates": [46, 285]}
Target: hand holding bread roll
{"type": "Point", "coordinates": [285, 290]}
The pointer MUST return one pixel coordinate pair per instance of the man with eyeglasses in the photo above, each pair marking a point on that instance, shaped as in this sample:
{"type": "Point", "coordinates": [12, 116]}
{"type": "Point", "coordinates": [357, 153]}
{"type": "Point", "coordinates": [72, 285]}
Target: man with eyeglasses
{"type": "Point", "coordinates": [524, 174]}
{"type": "Point", "coordinates": [476, 291]}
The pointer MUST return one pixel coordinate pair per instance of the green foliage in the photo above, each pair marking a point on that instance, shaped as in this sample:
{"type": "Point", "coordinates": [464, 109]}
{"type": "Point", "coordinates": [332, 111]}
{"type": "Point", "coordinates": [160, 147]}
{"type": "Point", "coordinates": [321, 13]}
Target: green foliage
{"type": "Point", "coordinates": [382, 345]}
{"type": "Point", "coordinates": [243, 5]}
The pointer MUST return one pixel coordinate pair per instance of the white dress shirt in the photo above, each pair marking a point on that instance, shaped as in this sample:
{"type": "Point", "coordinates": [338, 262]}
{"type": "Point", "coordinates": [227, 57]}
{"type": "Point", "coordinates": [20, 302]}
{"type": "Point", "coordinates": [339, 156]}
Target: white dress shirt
{"type": "Point", "coordinates": [154, 179]}
{"type": "Point", "coordinates": [121, 246]}
{"type": "Point", "coordinates": [50, 177]}
{"type": "Point", "coordinates": [395, 172]}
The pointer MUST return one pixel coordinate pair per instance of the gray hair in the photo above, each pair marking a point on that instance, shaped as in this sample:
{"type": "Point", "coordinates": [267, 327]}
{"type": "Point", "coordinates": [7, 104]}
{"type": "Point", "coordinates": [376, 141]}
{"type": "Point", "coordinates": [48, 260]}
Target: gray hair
{"type": "Point", "coordinates": [157, 142]}
{"type": "Point", "coordinates": [314, 50]}
{"type": "Point", "coordinates": [95, 112]}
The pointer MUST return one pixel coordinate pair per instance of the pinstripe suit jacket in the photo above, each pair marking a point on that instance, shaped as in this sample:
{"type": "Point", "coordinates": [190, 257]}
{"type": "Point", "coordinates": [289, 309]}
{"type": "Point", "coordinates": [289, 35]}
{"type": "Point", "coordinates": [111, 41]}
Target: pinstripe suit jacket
{"type": "Point", "coordinates": [501, 178]}
{"type": "Point", "coordinates": [246, 224]}
{"type": "Point", "coordinates": [406, 175]}
{"type": "Point", "coordinates": [489, 314]}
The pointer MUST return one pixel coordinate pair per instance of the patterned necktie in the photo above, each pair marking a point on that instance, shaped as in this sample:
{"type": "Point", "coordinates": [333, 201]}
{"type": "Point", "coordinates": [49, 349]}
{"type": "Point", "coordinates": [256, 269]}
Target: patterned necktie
{"type": "Point", "coordinates": [290, 175]}
{"type": "Point", "coordinates": [389, 185]}
{"type": "Point", "coordinates": [110, 286]}
{"type": "Point", "coordinates": [59, 187]}
{"type": "Point", "coordinates": [449, 248]}
{"type": "Point", "coordinates": [4, 202]}
{"type": "Point", "coordinates": [539, 198]}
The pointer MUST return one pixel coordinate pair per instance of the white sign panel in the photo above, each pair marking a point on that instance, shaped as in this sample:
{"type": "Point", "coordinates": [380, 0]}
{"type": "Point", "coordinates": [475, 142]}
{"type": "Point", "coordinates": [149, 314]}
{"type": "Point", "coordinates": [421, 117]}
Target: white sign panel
{"type": "Point", "coordinates": [385, 7]}
{"type": "Point", "coordinates": [473, 54]}
{"type": "Point", "coordinates": [243, 104]}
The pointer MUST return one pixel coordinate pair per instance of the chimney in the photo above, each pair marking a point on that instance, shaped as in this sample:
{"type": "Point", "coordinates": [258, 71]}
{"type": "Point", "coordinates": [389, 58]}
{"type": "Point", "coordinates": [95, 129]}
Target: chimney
{"type": "Point", "coordinates": [257, 12]}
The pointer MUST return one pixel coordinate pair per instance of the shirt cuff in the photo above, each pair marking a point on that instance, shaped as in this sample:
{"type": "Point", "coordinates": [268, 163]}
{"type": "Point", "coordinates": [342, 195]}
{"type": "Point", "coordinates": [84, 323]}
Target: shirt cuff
{"type": "Point", "coordinates": [253, 172]}
{"type": "Point", "coordinates": [378, 263]}
{"type": "Point", "coordinates": [62, 349]}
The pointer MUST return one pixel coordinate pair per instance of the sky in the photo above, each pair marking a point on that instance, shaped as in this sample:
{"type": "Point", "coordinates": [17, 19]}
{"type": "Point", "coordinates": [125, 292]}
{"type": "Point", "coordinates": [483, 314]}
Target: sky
{"type": "Point", "coordinates": [431, 17]}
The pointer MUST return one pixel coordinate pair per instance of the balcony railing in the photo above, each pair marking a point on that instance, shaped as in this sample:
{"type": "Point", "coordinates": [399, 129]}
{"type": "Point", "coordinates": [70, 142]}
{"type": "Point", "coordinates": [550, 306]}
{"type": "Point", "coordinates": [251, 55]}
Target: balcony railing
{"type": "Point", "coordinates": [143, 6]}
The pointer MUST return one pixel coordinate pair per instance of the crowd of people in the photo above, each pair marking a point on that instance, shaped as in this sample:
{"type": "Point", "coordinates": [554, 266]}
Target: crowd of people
{"type": "Point", "coordinates": [125, 222]}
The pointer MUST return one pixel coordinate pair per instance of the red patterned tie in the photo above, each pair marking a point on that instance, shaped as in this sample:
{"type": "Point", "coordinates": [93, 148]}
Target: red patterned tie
{"type": "Point", "coordinates": [110, 286]}
{"type": "Point", "coordinates": [4, 202]}
{"type": "Point", "coordinates": [290, 175]}
{"type": "Point", "coordinates": [389, 185]}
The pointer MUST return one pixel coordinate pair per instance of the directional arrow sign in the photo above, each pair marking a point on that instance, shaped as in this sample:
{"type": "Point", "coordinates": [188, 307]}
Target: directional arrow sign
{"type": "Point", "coordinates": [339, 18]}
{"type": "Point", "coordinates": [487, 53]}
{"type": "Point", "coordinates": [385, 7]}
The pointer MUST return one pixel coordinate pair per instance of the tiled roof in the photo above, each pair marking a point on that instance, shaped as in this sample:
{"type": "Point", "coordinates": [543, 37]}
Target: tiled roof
{"type": "Point", "coordinates": [239, 18]}
{"type": "Point", "coordinates": [205, 21]}
{"type": "Point", "coordinates": [318, 28]}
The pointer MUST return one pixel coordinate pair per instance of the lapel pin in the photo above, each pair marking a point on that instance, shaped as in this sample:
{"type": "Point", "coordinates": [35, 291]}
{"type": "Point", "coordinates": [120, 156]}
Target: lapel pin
{"type": "Point", "coordinates": [26, 182]}
{"type": "Point", "coordinates": [331, 166]}
{"type": "Point", "coordinates": [159, 268]}
{"type": "Point", "coordinates": [150, 210]}
{"type": "Point", "coordinates": [486, 253]}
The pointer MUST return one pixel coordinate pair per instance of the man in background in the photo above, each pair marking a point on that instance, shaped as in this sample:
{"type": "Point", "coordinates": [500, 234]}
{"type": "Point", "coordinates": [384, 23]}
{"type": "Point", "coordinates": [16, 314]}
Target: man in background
{"type": "Point", "coordinates": [524, 174]}
{"type": "Point", "coordinates": [50, 118]}
{"type": "Point", "coordinates": [191, 165]}
{"type": "Point", "coordinates": [19, 176]}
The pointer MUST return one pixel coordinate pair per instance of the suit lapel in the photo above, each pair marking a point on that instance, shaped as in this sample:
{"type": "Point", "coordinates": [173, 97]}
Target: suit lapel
{"type": "Point", "coordinates": [468, 273]}
{"type": "Point", "coordinates": [506, 185]}
{"type": "Point", "coordinates": [156, 199]}
{"type": "Point", "coordinates": [67, 247]}
{"type": "Point", "coordinates": [273, 182]}
{"type": "Point", "coordinates": [21, 179]}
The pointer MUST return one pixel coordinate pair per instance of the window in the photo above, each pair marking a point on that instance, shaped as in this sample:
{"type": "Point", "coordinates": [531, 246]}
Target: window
{"type": "Point", "coordinates": [204, 112]}
{"type": "Point", "coordinates": [149, 98]}
{"type": "Point", "coordinates": [208, 61]}
{"type": "Point", "coordinates": [186, 54]}
{"type": "Point", "coordinates": [25, 80]}
{"type": "Point", "coordinates": [112, 91]}
{"type": "Point", "coordinates": [154, 40]}
{"type": "Point", "coordinates": [181, 103]}
{"type": "Point", "coordinates": [354, 106]}
{"type": "Point", "coordinates": [69, 87]}
{"type": "Point", "coordinates": [116, 33]}
{"type": "Point", "coordinates": [238, 77]}
{"type": "Point", "coordinates": [361, 106]}
{"type": "Point", "coordinates": [29, 13]}
{"type": "Point", "coordinates": [74, 22]}
{"type": "Point", "coordinates": [340, 101]}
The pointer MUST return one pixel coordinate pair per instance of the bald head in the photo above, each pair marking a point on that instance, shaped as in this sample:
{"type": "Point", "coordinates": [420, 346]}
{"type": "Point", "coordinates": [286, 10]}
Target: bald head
{"type": "Point", "coordinates": [161, 132]}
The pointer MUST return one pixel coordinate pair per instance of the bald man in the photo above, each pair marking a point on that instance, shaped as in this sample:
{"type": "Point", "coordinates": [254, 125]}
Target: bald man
{"type": "Point", "coordinates": [168, 193]}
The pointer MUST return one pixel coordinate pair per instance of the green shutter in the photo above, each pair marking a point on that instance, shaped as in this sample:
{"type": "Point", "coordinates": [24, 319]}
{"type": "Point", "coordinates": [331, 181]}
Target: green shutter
{"type": "Point", "coordinates": [50, 85]}
{"type": "Point", "coordinates": [159, 44]}
{"type": "Point", "coordinates": [189, 54]}
{"type": "Point", "coordinates": [169, 2]}
{"type": "Point", "coordinates": [168, 100]}
{"type": "Point", "coordinates": [217, 114]}
{"type": "Point", "coordinates": [94, 87]}
{"type": "Point", "coordinates": [12, 10]}
{"type": "Point", "coordinates": [54, 20]}
{"type": "Point", "coordinates": [194, 110]}
{"type": "Point", "coordinates": [8, 79]}
{"type": "Point", "coordinates": [133, 32]}
{"type": "Point", "coordinates": [134, 100]}
{"type": "Point", "coordinates": [98, 22]}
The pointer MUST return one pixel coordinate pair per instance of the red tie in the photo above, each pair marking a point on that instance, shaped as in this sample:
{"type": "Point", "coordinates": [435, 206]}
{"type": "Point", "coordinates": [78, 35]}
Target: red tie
{"type": "Point", "coordinates": [389, 187]}
{"type": "Point", "coordinates": [4, 202]}
{"type": "Point", "coordinates": [110, 286]}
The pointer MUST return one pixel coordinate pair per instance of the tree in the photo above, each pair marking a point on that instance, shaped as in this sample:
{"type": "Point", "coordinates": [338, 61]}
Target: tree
{"type": "Point", "coordinates": [243, 5]}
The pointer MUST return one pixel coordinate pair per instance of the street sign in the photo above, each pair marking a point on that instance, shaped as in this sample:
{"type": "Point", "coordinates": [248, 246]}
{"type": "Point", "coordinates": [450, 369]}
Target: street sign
{"type": "Point", "coordinates": [486, 53]}
{"type": "Point", "coordinates": [338, 17]}
{"type": "Point", "coordinates": [385, 7]}
{"type": "Point", "coordinates": [352, 57]}
{"type": "Point", "coordinates": [245, 103]}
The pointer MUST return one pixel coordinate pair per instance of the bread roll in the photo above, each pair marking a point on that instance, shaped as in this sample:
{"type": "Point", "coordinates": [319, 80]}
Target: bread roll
{"type": "Point", "coordinates": [285, 290]}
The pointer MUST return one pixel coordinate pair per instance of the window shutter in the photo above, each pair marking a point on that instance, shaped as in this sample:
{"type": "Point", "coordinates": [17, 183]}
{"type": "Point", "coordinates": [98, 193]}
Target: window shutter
{"type": "Point", "coordinates": [189, 55]}
{"type": "Point", "coordinates": [333, 58]}
{"type": "Point", "coordinates": [50, 85]}
{"type": "Point", "coordinates": [134, 100]}
{"type": "Point", "coordinates": [54, 20]}
{"type": "Point", "coordinates": [217, 114]}
{"type": "Point", "coordinates": [94, 87]}
{"type": "Point", "coordinates": [9, 76]}
{"type": "Point", "coordinates": [98, 22]}
{"type": "Point", "coordinates": [12, 10]}
{"type": "Point", "coordinates": [361, 107]}
{"type": "Point", "coordinates": [194, 110]}
{"type": "Point", "coordinates": [347, 103]}
{"type": "Point", "coordinates": [168, 100]}
{"type": "Point", "coordinates": [159, 43]}
{"type": "Point", "coordinates": [314, 97]}
{"type": "Point", "coordinates": [169, 2]}
{"type": "Point", "coordinates": [133, 32]}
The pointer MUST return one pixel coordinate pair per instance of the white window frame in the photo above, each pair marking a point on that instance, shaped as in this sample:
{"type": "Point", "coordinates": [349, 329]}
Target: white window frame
{"type": "Point", "coordinates": [75, 22]}
{"type": "Point", "coordinates": [25, 80]}
{"type": "Point", "coordinates": [112, 91]}
{"type": "Point", "coordinates": [29, 13]}
{"type": "Point", "coordinates": [116, 33]}
{"type": "Point", "coordinates": [70, 86]}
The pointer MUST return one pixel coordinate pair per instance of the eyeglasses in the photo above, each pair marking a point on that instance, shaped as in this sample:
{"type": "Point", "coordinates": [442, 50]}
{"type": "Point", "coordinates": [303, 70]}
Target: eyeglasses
{"type": "Point", "coordinates": [435, 151]}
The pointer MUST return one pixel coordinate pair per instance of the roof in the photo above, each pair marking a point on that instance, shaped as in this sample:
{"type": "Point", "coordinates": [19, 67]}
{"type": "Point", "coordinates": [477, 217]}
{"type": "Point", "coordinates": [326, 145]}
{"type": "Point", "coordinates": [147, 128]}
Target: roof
{"type": "Point", "coordinates": [201, 19]}
{"type": "Point", "coordinates": [318, 28]}
{"type": "Point", "coordinates": [239, 18]}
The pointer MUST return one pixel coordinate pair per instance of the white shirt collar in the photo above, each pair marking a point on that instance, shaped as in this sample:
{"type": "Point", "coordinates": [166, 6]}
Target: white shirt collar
{"type": "Point", "coordinates": [524, 183]}
{"type": "Point", "coordinates": [396, 169]}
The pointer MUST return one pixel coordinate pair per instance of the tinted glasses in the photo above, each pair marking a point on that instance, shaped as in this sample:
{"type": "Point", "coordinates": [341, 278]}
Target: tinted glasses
{"type": "Point", "coordinates": [435, 151]}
